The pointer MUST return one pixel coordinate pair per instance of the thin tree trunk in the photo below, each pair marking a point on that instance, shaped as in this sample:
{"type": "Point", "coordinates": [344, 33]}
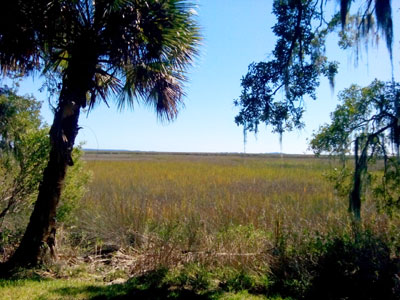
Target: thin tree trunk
{"type": "Point", "coordinates": [360, 168]}
{"type": "Point", "coordinates": [355, 195]}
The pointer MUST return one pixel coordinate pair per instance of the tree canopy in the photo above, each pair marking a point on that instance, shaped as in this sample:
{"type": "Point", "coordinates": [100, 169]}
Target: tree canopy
{"type": "Point", "coordinates": [372, 110]}
{"type": "Point", "coordinates": [24, 147]}
{"type": "Point", "coordinates": [129, 48]}
{"type": "Point", "coordinates": [366, 123]}
{"type": "Point", "coordinates": [273, 92]}
{"type": "Point", "coordinates": [298, 61]}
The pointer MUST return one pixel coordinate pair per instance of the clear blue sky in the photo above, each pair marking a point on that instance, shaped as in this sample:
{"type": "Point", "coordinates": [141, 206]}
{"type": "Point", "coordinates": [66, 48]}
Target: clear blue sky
{"type": "Point", "coordinates": [236, 33]}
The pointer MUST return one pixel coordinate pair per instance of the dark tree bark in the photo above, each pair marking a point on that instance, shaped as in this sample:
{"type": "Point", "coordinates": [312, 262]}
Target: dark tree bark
{"type": "Point", "coordinates": [360, 167]}
{"type": "Point", "coordinates": [42, 225]}
{"type": "Point", "coordinates": [39, 237]}
{"type": "Point", "coordinates": [355, 195]}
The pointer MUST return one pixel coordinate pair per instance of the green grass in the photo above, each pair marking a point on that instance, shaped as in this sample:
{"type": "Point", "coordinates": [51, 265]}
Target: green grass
{"type": "Point", "coordinates": [224, 209]}
{"type": "Point", "coordinates": [48, 289]}
{"type": "Point", "coordinates": [159, 284]}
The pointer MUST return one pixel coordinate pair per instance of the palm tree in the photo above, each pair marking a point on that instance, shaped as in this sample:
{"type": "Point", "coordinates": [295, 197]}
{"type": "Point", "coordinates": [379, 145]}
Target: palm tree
{"type": "Point", "coordinates": [90, 50]}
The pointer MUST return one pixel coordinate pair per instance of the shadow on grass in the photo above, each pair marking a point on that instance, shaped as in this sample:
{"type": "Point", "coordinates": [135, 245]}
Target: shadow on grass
{"type": "Point", "coordinates": [149, 286]}
{"type": "Point", "coordinates": [20, 277]}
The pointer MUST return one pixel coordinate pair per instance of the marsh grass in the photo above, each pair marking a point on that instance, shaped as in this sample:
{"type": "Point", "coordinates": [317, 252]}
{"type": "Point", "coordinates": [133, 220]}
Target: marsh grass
{"type": "Point", "coordinates": [216, 209]}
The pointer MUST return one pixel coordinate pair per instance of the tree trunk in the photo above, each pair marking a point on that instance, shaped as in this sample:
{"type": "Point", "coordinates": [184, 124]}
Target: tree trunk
{"type": "Point", "coordinates": [39, 236]}
{"type": "Point", "coordinates": [41, 228]}
{"type": "Point", "coordinates": [355, 195]}
{"type": "Point", "coordinates": [359, 169]}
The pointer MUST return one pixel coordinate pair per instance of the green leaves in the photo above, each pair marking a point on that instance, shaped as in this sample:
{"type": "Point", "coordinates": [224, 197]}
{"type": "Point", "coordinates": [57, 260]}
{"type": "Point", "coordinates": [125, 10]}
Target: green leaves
{"type": "Point", "coordinates": [298, 62]}
{"type": "Point", "coordinates": [24, 152]}
{"type": "Point", "coordinates": [372, 110]}
{"type": "Point", "coordinates": [18, 116]}
{"type": "Point", "coordinates": [299, 59]}
{"type": "Point", "coordinates": [367, 120]}
{"type": "Point", "coordinates": [24, 148]}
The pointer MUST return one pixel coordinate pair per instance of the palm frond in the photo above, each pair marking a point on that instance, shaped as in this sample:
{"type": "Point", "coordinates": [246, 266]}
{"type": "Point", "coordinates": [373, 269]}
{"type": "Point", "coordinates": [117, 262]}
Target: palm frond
{"type": "Point", "coordinates": [18, 45]}
{"type": "Point", "coordinates": [155, 86]}
{"type": "Point", "coordinates": [136, 49]}
{"type": "Point", "coordinates": [104, 85]}
{"type": "Point", "coordinates": [155, 43]}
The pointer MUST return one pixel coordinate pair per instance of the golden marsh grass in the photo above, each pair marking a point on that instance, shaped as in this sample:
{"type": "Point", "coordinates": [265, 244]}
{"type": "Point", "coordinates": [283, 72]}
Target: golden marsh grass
{"type": "Point", "coordinates": [228, 205]}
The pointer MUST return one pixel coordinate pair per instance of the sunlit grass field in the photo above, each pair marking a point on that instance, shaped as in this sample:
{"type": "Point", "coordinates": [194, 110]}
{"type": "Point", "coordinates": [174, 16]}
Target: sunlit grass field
{"type": "Point", "coordinates": [221, 208]}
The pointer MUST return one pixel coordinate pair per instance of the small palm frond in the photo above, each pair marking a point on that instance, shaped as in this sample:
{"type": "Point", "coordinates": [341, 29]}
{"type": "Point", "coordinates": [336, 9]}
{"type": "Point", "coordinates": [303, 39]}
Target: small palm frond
{"type": "Point", "coordinates": [166, 97]}
{"type": "Point", "coordinates": [104, 84]}
{"type": "Point", "coordinates": [155, 86]}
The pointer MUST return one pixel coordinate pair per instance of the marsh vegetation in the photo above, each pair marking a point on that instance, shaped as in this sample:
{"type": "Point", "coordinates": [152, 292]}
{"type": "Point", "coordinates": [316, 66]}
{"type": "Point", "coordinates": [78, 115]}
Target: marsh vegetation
{"type": "Point", "coordinates": [214, 226]}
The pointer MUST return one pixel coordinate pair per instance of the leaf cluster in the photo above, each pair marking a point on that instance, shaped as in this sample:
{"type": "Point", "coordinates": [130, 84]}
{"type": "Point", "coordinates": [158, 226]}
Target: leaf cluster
{"type": "Point", "coordinates": [299, 58]}
{"type": "Point", "coordinates": [24, 147]}
{"type": "Point", "coordinates": [370, 113]}
{"type": "Point", "coordinates": [366, 122]}
{"type": "Point", "coordinates": [298, 62]}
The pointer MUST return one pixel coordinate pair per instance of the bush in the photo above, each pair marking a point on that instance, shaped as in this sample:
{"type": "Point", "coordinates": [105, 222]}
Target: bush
{"type": "Point", "coordinates": [75, 186]}
{"type": "Point", "coordinates": [292, 268]}
{"type": "Point", "coordinates": [340, 266]}
{"type": "Point", "coordinates": [358, 267]}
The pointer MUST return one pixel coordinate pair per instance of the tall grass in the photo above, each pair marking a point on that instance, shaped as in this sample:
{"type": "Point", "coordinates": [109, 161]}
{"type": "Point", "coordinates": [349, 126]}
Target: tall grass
{"type": "Point", "coordinates": [229, 209]}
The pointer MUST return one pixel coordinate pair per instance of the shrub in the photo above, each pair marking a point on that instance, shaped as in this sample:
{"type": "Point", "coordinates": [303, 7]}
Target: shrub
{"type": "Point", "coordinates": [292, 268]}
{"type": "Point", "coordinates": [358, 267]}
{"type": "Point", "coordinates": [337, 266]}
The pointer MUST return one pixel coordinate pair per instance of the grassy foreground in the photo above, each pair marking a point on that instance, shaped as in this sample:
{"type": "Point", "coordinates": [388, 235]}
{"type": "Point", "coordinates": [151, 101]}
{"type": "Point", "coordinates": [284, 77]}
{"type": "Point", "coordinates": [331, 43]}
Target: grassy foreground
{"type": "Point", "coordinates": [48, 289]}
{"type": "Point", "coordinates": [158, 284]}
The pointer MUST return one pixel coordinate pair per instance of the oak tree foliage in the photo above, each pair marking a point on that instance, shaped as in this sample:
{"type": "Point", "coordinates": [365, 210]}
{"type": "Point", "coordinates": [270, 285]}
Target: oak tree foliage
{"type": "Point", "coordinates": [366, 125]}
{"type": "Point", "coordinates": [273, 92]}
{"type": "Point", "coordinates": [298, 62]}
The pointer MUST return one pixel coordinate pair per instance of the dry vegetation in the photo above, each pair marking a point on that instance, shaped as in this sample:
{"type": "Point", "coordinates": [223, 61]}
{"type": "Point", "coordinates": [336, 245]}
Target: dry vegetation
{"type": "Point", "coordinates": [220, 209]}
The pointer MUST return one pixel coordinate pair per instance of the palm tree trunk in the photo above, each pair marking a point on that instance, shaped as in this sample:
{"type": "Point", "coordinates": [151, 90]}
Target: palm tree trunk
{"type": "Point", "coordinates": [39, 237]}
{"type": "Point", "coordinates": [42, 225]}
